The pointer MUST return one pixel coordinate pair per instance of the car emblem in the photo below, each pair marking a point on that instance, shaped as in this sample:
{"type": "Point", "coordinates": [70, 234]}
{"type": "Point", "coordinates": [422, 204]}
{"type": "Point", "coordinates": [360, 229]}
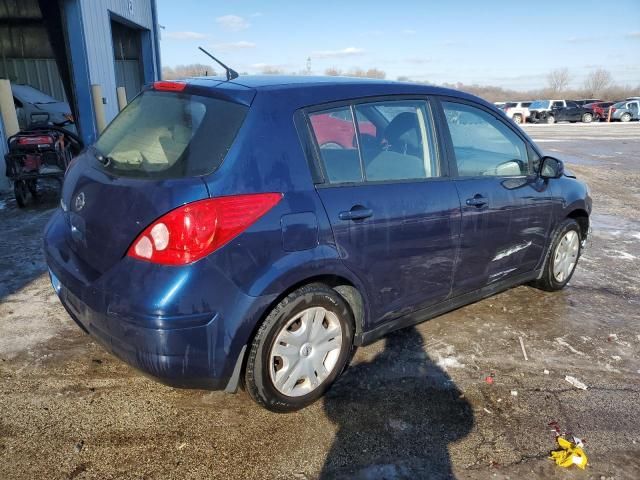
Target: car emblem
{"type": "Point", "coordinates": [80, 201]}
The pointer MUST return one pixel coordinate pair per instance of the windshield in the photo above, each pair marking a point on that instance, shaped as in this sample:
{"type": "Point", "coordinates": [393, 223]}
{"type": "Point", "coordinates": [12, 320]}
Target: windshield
{"type": "Point", "coordinates": [28, 94]}
{"type": "Point", "coordinates": [169, 135]}
{"type": "Point", "coordinates": [540, 104]}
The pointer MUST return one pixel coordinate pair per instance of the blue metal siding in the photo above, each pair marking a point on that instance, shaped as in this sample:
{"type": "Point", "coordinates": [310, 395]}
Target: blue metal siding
{"type": "Point", "coordinates": [96, 17]}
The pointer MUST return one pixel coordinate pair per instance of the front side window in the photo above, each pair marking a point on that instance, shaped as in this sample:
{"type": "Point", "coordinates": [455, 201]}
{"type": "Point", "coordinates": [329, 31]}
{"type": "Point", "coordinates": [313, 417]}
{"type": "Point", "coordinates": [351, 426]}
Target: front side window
{"type": "Point", "coordinates": [393, 140]}
{"type": "Point", "coordinates": [484, 145]}
{"type": "Point", "coordinates": [558, 104]}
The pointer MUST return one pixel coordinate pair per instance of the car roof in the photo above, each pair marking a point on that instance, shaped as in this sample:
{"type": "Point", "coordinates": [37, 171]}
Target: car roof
{"type": "Point", "coordinates": [323, 89]}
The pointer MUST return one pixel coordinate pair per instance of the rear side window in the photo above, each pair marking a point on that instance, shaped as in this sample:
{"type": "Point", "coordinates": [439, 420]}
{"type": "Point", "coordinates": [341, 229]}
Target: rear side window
{"type": "Point", "coordinates": [525, 104]}
{"type": "Point", "coordinates": [405, 150]}
{"type": "Point", "coordinates": [335, 134]}
{"type": "Point", "coordinates": [387, 141]}
{"type": "Point", "coordinates": [170, 135]}
{"type": "Point", "coordinates": [483, 144]}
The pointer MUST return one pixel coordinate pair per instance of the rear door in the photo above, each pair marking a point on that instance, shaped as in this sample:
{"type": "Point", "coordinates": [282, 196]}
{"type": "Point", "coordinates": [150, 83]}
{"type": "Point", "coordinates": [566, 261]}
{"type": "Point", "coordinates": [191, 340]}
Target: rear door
{"type": "Point", "coordinates": [394, 212]}
{"type": "Point", "coordinates": [506, 208]}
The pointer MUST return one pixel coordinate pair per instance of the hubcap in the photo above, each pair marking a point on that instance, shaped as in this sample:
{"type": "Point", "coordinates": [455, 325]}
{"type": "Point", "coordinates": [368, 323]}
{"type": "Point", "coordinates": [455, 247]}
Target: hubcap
{"type": "Point", "coordinates": [566, 256]}
{"type": "Point", "coordinates": [305, 351]}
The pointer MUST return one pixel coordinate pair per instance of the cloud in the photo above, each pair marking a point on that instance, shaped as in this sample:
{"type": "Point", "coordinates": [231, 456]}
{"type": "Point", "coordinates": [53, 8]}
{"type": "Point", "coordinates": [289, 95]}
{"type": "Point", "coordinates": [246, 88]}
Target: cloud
{"type": "Point", "coordinates": [256, 14]}
{"type": "Point", "coordinates": [633, 35]}
{"type": "Point", "coordinates": [585, 39]}
{"type": "Point", "coordinates": [345, 52]}
{"type": "Point", "coordinates": [418, 60]}
{"type": "Point", "coordinates": [186, 35]}
{"type": "Point", "coordinates": [408, 31]}
{"type": "Point", "coordinates": [232, 46]}
{"type": "Point", "coordinates": [232, 23]}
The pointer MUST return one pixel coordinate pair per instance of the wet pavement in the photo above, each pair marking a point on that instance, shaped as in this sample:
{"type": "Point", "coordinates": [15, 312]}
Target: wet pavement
{"type": "Point", "coordinates": [413, 405]}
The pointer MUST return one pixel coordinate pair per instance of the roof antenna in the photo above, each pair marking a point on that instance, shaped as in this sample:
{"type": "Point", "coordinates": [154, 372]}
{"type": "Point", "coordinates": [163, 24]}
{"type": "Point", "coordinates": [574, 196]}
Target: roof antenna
{"type": "Point", "coordinates": [231, 73]}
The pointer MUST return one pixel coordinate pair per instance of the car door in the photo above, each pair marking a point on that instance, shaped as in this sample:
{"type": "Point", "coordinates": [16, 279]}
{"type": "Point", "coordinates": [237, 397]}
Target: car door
{"type": "Point", "coordinates": [395, 214]}
{"type": "Point", "coordinates": [506, 207]}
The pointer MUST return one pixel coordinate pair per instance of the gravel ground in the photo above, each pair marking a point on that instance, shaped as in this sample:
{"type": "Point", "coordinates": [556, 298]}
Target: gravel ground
{"type": "Point", "coordinates": [413, 405]}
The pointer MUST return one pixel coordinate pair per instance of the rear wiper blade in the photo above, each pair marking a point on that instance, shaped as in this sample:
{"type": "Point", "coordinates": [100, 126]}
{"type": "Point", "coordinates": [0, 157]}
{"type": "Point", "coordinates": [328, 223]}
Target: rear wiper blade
{"type": "Point", "coordinates": [103, 159]}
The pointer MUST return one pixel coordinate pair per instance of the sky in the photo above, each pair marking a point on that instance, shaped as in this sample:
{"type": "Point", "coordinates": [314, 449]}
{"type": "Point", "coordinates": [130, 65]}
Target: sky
{"type": "Point", "coordinates": [512, 44]}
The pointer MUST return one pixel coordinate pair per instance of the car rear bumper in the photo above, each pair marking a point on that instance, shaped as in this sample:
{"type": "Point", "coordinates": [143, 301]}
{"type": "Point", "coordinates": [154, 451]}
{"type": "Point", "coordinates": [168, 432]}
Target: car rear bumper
{"type": "Point", "coordinates": [162, 323]}
{"type": "Point", "coordinates": [180, 357]}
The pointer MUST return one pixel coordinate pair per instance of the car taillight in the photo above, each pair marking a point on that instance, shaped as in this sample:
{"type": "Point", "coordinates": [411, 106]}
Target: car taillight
{"type": "Point", "coordinates": [169, 86]}
{"type": "Point", "coordinates": [36, 140]}
{"type": "Point", "coordinates": [197, 229]}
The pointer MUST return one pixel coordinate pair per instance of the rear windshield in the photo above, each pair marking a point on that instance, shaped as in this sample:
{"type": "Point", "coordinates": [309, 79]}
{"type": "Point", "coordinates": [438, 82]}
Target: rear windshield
{"type": "Point", "coordinates": [170, 135]}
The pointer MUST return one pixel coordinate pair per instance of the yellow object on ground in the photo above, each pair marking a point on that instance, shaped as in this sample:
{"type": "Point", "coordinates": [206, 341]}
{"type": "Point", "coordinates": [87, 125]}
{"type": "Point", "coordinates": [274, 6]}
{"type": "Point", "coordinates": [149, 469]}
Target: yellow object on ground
{"type": "Point", "coordinates": [569, 454]}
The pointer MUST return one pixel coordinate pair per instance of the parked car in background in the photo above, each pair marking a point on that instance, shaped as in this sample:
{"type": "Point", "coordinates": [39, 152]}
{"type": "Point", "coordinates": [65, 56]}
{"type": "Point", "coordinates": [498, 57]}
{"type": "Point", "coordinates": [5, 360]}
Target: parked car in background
{"type": "Point", "coordinates": [599, 109]}
{"type": "Point", "coordinates": [538, 110]}
{"type": "Point", "coordinates": [499, 104]}
{"type": "Point", "coordinates": [34, 106]}
{"type": "Point", "coordinates": [334, 130]}
{"type": "Point", "coordinates": [572, 112]}
{"type": "Point", "coordinates": [626, 111]}
{"type": "Point", "coordinates": [517, 111]}
{"type": "Point", "coordinates": [584, 101]}
{"type": "Point", "coordinates": [193, 246]}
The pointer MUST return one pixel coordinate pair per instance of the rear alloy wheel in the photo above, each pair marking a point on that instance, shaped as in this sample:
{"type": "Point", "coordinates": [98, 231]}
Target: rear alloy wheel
{"type": "Point", "coordinates": [625, 117]}
{"type": "Point", "coordinates": [550, 119]}
{"type": "Point", "coordinates": [517, 118]}
{"type": "Point", "coordinates": [300, 349]}
{"type": "Point", "coordinates": [587, 118]}
{"type": "Point", "coordinates": [562, 258]}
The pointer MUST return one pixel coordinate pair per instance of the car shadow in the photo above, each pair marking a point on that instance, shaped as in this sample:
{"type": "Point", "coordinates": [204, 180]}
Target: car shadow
{"type": "Point", "coordinates": [22, 259]}
{"type": "Point", "coordinates": [395, 415]}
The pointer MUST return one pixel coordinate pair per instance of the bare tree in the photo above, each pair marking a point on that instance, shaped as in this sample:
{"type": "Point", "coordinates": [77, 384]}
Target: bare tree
{"type": "Point", "coordinates": [597, 82]}
{"type": "Point", "coordinates": [192, 70]}
{"type": "Point", "coordinates": [375, 73]}
{"type": "Point", "coordinates": [333, 72]}
{"type": "Point", "coordinates": [270, 70]}
{"type": "Point", "coordinates": [558, 80]}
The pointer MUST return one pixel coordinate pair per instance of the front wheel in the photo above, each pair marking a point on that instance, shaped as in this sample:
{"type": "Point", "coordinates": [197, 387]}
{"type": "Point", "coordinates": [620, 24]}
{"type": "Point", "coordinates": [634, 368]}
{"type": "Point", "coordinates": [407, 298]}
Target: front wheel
{"type": "Point", "coordinates": [562, 258]}
{"type": "Point", "coordinates": [587, 118]}
{"type": "Point", "coordinates": [625, 117]}
{"type": "Point", "coordinates": [550, 119]}
{"type": "Point", "coordinates": [300, 349]}
{"type": "Point", "coordinates": [517, 119]}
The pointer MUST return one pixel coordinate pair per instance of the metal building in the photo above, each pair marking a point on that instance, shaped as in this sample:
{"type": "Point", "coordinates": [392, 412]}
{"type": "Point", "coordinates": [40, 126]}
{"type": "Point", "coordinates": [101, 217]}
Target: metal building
{"type": "Point", "coordinates": [62, 47]}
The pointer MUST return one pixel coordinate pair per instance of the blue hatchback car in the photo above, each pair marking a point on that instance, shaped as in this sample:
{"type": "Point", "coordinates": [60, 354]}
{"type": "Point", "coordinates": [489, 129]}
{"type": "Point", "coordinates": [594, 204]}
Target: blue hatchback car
{"type": "Point", "coordinates": [256, 231]}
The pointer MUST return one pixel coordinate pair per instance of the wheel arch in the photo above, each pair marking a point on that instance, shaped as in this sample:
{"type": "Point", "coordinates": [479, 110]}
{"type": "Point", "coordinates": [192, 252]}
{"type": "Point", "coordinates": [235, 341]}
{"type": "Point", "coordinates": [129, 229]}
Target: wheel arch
{"type": "Point", "coordinates": [348, 288]}
{"type": "Point", "coordinates": [581, 216]}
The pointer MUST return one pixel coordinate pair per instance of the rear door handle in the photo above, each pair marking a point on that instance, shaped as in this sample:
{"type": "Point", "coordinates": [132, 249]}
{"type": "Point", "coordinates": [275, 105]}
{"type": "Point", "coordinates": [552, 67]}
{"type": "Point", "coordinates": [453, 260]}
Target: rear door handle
{"type": "Point", "coordinates": [357, 212]}
{"type": "Point", "coordinates": [477, 201]}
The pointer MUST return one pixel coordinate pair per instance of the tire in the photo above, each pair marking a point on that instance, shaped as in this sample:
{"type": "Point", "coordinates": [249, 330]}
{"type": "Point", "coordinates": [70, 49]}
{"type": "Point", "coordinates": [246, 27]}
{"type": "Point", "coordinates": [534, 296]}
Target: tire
{"type": "Point", "coordinates": [625, 117]}
{"type": "Point", "coordinates": [550, 280]}
{"type": "Point", "coordinates": [21, 192]}
{"type": "Point", "coordinates": [299, 312]}
{"type": "Point", "coordinates": [517, 118]}
{"type": "Point", "coordinates": [32, 185]}
{"type": "Point", "coordinates": [587, 118]}
{"type": "Point", "coordinates": [550, 119]}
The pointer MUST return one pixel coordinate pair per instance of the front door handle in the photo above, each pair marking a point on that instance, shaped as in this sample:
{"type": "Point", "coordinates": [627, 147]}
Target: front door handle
{"type": "Point", "coordinates": [477, 201]}
{"type": "Point", "coordinates": [357, 212]}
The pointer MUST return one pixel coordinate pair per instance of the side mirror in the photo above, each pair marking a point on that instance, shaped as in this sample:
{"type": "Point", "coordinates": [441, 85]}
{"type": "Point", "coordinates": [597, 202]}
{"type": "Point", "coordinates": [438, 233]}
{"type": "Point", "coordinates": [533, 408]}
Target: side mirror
{"type": "Point", "coordinates": [551, 167]}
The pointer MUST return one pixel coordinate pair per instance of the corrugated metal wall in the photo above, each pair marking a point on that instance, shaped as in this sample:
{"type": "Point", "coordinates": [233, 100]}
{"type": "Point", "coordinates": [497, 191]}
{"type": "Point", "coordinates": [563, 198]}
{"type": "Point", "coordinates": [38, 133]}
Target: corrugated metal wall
{"type": "Point", "coordinates": [41, 73]}
{"type": "Point", "coordinates": [97, 27]}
